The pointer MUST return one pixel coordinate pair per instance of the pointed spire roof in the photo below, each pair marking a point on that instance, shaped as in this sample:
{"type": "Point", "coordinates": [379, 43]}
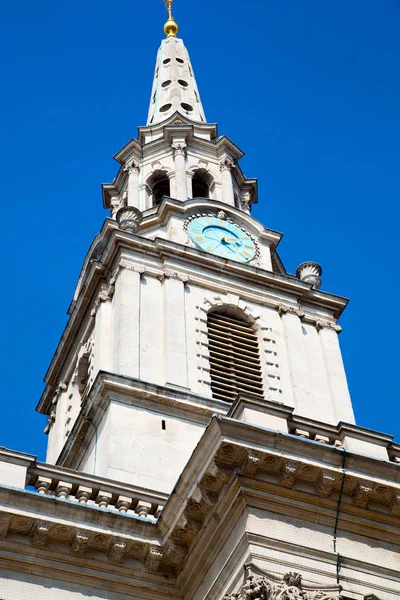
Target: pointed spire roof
{"type": "Point", "coordinates": [174, 85]}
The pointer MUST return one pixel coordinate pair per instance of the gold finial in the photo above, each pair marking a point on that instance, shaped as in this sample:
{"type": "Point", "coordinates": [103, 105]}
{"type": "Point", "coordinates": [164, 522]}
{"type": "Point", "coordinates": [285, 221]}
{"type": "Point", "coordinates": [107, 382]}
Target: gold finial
{"type": "Point", "coordinates": [170, 27]}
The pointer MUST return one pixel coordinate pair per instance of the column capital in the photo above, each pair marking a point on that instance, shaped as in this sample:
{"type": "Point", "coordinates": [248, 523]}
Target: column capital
{"type": "Point", "coordinates": [226, 165]}
{"type": "Point", "coordinates": [291, 310]}
{"type": "Point", "coordinates": [328, 325]}
{"type": "Point", "coordinates": [132, 167]}
{"type": "Point", "coordinates": [179, 148]}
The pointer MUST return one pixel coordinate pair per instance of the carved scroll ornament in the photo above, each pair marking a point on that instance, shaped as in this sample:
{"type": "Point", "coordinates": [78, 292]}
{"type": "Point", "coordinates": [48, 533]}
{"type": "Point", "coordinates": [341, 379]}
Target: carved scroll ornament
{"type": "Point", "coordinates": [263, 587]}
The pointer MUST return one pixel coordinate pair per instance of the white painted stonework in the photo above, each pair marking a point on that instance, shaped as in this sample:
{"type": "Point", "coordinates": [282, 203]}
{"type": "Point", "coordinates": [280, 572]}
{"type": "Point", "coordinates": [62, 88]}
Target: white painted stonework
{"type": "Point", "coordinates": [156, 487]}
{"type": "Point", "coordinates": [174, 86]}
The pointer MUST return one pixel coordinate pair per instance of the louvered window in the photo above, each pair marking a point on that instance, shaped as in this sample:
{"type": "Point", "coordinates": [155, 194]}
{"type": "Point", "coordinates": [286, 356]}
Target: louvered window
{"type": "Point", "coordinates": [235, 365]}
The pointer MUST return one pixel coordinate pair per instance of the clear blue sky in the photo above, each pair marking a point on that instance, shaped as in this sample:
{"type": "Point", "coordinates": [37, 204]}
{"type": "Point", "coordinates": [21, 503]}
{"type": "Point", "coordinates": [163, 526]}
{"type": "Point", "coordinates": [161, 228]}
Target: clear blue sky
{"type": "Point", "coordinates": [308, 89]}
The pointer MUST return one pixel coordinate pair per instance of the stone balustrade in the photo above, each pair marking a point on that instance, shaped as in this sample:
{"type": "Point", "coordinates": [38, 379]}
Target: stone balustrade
{"type": "Point", "coordinates": [280, 417]}
{"type": "Point", "coordinates": [394, 453]}
{"type": "Point", "coordinates": [312, 430]}
{"type": "Point", "coordinates": [21, 471]}
{"type": "Point", "coordinates": [96, 491]}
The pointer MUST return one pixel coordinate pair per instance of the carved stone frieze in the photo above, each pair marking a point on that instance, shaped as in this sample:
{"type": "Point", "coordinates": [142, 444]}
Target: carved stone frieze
{"type": "Point", "coordinates": [186, 529]}
{"type": "Point", "coordinates": [154, 557]}
{"type": "Point", "coordinates": [200, 503]}
{"type": "Point", "coordinates": [326, 483]}
{"type": "Point", "coordinates": [290, 587]}
{"type": "Point", "coordinates": [4, 525]}
{"type": "Point", "coordinates": [214, 478]}
{"type": "Point", "coordinates": [363, 494]}
{"type": "Point", "coordinates": [251, 463]}
{"type": "Point", "coordinates": [288, 473]}
{"type": "Point", "coordinates": [117, 550]}
{"type": "Point", "coordinates": [41, 532]}
{"type": "Point", "coordinates": [175, 554]}
{"type": "Point", "coordinates": [395, 503]}
{"type": "Point", "coordinates": [80, 542]}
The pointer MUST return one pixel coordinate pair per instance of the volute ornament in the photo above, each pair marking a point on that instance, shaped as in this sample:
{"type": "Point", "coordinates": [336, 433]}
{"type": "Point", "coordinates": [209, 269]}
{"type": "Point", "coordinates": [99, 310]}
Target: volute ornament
{"type": "Point", "coordinates": [268, 587]}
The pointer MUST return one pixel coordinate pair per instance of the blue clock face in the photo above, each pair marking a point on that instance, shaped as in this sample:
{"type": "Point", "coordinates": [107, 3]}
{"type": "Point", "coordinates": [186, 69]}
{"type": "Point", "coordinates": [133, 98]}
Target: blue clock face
{"type": "Point", "coordinates": [222, 238]}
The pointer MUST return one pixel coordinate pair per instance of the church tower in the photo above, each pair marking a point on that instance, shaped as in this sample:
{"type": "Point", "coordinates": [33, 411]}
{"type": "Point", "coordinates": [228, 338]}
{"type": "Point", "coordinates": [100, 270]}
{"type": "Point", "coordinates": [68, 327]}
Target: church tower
{"type": "Point", "coordinates": [201, 438]}
{"type": "Point", "coordinates": [183, 305]}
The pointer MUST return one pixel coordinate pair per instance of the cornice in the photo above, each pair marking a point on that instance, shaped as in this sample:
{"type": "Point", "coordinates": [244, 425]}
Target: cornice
{"type": "Point", "coordinates": [234, 466]}
{"type": "Point", "coordinates": [286, 473]}
{"type": "Point", "coordinates": [131, 147]}
{"type": "Point", "coordinates": [177, 120]}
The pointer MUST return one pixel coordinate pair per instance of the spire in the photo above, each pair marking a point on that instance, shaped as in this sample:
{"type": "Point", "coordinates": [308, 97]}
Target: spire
{"type": "Point", "coordinates": [174, 86]}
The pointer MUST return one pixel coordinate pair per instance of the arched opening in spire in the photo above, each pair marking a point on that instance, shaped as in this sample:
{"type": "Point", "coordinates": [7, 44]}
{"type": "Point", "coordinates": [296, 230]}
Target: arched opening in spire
{"type": "Point", "coordinates": [159, 186]}
{"type": "Point", "coordinates": [201, 184]}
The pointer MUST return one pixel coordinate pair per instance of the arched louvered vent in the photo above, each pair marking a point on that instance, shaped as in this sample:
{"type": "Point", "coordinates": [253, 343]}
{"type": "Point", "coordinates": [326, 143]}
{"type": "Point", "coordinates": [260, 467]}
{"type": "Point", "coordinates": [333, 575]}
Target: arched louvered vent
{"type": "Point", "coordinates": [235, 365]}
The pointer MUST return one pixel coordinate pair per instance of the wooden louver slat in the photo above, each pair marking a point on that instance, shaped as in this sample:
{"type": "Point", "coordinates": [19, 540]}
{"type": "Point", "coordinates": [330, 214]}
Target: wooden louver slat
{"type": "Point", "coordinates": [235, 365]}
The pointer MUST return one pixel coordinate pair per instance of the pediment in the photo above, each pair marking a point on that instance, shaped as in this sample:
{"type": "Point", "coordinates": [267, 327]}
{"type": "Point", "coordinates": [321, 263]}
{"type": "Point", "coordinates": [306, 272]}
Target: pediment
{"type": "Point", "coordinates": [177, 120]}
{"type": "Point", "coordinates": [205, 206]}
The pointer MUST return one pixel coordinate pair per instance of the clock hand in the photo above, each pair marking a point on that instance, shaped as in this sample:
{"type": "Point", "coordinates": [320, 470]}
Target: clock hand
{"type": "Point", "coordinates": [232, 239]}
{"type": "Point", "coordinates": [206, 235]}
{"type": "Point", "coordinates": [226, 245]}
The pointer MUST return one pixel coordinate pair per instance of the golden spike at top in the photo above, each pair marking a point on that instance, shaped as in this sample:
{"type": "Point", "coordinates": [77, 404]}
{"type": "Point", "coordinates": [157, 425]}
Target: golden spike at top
{"type": "Point", "coordinates": [170, 27]}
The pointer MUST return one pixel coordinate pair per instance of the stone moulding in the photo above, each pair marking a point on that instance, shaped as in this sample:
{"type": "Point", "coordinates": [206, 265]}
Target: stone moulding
{"type": "Point", "coordinates": [259, 585]}
{"type": "Point", "coordinates": [323, 481]}
{"type": "Point", "coordinates": [230, 453]}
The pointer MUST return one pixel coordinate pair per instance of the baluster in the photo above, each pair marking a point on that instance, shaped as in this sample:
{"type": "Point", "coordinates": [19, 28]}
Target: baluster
{"type": "Point", "coordinates": [123, 503]}
{"type": "Point", "coordinates": [143, 508]}
{"type": "Point", "coordinates": [63, 489]}
{"type": "Point", "coordinates": [43, 484]}
{"type": "Point", "coordinates": [83, 494]}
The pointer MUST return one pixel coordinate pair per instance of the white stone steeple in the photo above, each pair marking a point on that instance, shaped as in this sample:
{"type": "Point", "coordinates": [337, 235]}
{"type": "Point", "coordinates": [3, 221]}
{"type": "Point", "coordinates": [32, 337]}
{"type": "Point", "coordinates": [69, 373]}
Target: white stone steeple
{"type": "Point", "coordinates": [177, 154]}
{"type": "Point", "coordinates": [181, 268]}
{"type": "Point", "coordinates": [174, 86]}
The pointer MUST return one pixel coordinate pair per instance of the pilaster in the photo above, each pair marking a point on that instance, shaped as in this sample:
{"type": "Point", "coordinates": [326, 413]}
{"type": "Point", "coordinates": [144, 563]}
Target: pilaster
{"type": "Point", "coordinates": [227, 185]}
{"type": "Point", "coordinates": [181, 189]}
{"type": "Point", "coordinates": [175, 350]}
{"type": "Point", "coordinates": [126, 312]}
{"type": "Point", "coordinates": [152, 330]}
{"type": "Point", "coordinates": [336, 373]}
{"type": "Point", "coordinates": [103, 337]}
{"type": "Point", "coordinates": [293, 335]}
{"type": "Point", "coordinates": [133, 185]}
